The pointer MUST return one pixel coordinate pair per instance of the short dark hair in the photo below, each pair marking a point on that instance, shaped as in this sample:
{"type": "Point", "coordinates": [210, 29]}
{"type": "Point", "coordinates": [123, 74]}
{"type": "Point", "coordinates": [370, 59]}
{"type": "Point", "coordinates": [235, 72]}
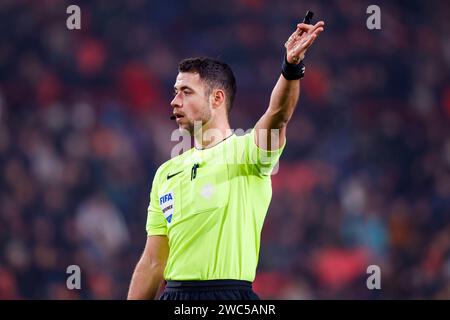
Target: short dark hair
{"type": "Point", "coordinates": [215, 73]}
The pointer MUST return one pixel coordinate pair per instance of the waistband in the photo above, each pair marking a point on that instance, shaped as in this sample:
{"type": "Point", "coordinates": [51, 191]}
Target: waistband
{"type": "Point", "coordinates": [208, 285]}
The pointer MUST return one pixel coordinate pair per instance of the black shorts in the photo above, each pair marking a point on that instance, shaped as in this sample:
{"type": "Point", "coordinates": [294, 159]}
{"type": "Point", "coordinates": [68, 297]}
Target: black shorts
{"type": "Point", "coordinates": [209, 290]}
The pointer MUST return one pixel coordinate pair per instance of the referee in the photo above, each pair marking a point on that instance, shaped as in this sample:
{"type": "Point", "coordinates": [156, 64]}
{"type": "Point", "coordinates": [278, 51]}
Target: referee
{"type": "Point", "coordinates": [207, 205]}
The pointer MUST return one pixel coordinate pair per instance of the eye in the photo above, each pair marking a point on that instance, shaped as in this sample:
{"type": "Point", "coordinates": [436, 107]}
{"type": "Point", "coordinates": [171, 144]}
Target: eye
{"type": "Point", "coordinates": [186, 92]}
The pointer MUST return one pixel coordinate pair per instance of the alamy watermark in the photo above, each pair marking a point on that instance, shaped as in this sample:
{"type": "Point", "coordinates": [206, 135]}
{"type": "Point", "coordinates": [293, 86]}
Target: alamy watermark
{"type": "Point", "coordinates": [234, 153]}
{"type": "Point", "coordinates": [374, 280]}
{"type": "Point", "coordinates": [73, 21]}
{"type": "Point", "coordinates": [374, 20]}
{"type": "Point", "coordinates": [74, 280]}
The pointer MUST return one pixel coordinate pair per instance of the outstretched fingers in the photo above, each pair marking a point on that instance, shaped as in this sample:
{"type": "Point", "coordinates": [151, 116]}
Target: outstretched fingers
{"type": "Point", "coordinates": [302, 38]}
{"type": "Point", "coordinates": [303, 27]}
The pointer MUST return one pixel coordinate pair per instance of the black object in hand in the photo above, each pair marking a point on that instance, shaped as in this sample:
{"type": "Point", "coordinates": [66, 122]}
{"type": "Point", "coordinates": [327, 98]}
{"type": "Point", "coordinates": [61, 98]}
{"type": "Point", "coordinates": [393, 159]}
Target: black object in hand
{"type": "Point", "coordinates": [308, 17]}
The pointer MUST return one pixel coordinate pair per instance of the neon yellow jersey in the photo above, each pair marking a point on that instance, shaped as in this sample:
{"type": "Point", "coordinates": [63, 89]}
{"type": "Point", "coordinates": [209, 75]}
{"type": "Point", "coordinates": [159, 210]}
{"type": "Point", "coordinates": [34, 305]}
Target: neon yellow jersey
{"type": "Point", "coordinates": [211, 204]}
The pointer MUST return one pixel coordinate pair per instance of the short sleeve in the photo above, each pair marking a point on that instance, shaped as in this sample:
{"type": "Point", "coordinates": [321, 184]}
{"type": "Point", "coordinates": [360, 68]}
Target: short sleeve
{"type": "Point", "coordinates": [156, 223]}
{"type": "Point", "coordinates": [264, 160]}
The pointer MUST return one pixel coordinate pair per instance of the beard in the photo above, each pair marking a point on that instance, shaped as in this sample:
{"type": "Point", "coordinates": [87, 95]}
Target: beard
{"type": "Point", "coordinates": [196, 125]}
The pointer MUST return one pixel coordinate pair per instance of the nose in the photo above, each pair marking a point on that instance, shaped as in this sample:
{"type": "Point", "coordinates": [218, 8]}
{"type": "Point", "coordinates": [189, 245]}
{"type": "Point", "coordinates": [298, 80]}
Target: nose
{"type": "Point", "coordinates": [176, 101]}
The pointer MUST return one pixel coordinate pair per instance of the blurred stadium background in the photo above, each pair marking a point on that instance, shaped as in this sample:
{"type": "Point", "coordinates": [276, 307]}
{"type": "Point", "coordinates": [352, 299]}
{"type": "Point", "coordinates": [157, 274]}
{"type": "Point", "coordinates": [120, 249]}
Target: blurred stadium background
{"type": "Point", "coordinates": [365, 177]}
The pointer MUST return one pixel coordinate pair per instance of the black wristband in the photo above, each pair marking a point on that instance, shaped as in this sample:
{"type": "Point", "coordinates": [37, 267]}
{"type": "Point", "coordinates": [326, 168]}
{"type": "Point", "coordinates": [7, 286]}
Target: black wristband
{"type": "Point", "coordinates": [292, 71]}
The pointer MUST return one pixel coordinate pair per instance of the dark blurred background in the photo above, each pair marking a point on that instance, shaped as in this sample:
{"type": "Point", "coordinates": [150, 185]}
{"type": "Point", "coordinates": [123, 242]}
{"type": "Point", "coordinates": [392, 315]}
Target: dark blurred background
{"type": "Point", "coordinates": [364, 179]}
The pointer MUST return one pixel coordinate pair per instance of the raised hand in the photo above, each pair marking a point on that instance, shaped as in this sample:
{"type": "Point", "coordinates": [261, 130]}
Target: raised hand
{"type": "Point", "coordinates": [302, 38]}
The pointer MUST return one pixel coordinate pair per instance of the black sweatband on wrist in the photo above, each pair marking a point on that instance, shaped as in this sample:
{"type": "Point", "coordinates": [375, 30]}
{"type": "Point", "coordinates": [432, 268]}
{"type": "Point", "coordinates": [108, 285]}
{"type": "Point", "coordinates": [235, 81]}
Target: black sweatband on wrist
{"type": "Point", "coordinates": [292, 71]}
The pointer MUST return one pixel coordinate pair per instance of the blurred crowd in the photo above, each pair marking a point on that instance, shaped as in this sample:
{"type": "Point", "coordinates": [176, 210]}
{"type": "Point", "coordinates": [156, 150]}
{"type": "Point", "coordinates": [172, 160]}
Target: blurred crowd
{"type": "Point", "coordinates": [364, 179]}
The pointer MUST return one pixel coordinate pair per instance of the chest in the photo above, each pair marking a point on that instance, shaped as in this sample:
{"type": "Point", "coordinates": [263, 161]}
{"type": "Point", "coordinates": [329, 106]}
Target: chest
{"type": "Point", "coordinates": [193, 188]}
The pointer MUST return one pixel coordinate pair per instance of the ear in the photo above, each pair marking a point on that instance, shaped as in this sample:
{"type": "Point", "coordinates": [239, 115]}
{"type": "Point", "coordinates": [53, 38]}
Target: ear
{"type": "Point", "coordinates": [218, 98]}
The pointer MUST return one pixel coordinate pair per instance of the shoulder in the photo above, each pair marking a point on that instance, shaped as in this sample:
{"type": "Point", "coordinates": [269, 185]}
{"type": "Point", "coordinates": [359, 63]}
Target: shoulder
{"type": "Point", "coordinates": [245, 139]}
{"type": "Point", "coordinates": [244, 136]}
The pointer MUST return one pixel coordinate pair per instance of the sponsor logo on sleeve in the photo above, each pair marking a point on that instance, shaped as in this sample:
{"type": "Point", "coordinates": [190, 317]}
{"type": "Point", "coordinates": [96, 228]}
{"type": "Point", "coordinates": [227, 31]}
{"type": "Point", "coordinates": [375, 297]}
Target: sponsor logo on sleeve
{"type": "Point", "coordinates": [166, 202]}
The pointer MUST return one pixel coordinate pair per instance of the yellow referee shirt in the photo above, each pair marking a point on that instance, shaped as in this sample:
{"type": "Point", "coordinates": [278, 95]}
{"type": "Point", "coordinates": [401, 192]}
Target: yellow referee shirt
{"type": "Point", "coordinates": [211, 204]}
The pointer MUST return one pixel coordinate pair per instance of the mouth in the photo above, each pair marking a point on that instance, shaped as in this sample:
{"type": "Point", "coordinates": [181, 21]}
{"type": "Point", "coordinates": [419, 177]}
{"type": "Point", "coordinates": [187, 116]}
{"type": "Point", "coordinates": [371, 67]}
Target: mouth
{"type": "Point", "coordinates": [178, 117]}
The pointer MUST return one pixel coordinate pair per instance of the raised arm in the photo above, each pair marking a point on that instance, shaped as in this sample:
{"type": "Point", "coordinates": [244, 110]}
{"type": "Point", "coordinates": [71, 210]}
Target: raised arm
{"type": "Point", "coordinates": [286, 92]}
{"type": "Point", "coordinates": [148, 275]}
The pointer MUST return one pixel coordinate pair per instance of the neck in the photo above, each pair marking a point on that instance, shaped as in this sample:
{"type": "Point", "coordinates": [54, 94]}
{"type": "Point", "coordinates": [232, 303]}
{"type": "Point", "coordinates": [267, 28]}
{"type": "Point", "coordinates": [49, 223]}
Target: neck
{"type": "Point", "coordinates": [212, 134]}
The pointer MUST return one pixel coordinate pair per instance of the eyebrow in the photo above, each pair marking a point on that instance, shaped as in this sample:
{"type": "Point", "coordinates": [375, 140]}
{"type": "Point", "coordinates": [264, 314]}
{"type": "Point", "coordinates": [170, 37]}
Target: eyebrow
{"type": "Point", "coordinates": [183, 88]}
